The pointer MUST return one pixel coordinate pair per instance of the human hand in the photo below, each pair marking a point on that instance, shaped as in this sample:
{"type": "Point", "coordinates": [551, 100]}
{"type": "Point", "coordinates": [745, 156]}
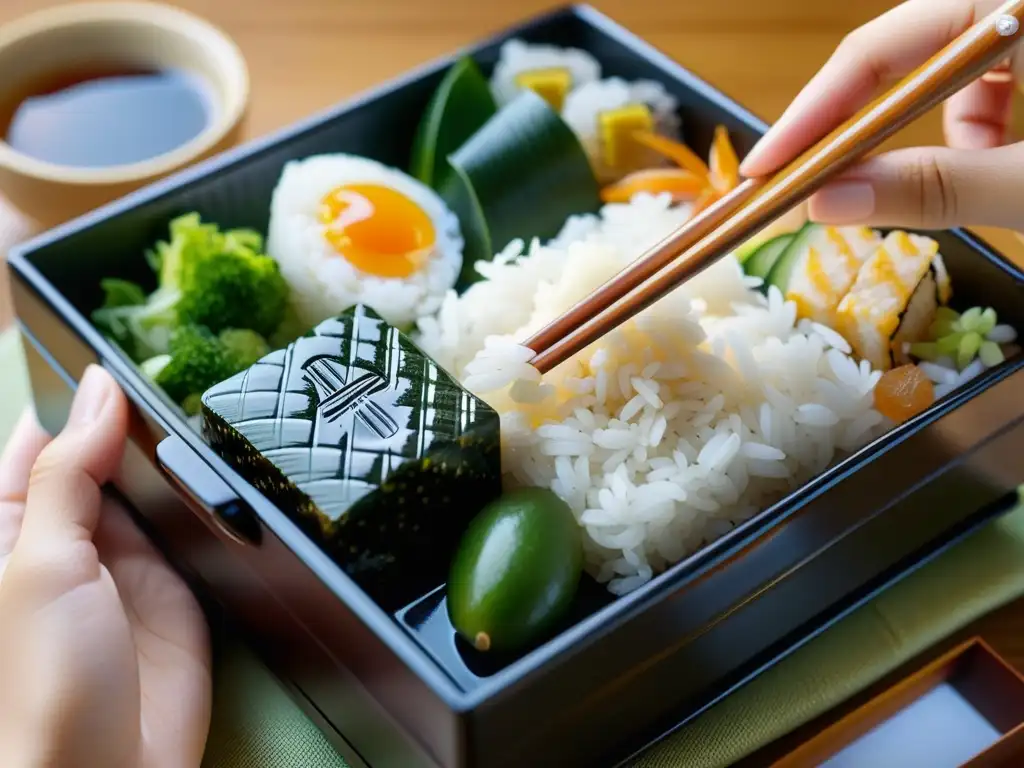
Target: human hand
{"type": "Point", "coordinates": [977, 181]}
{"type": "Point", "coordinates": [104, 653]}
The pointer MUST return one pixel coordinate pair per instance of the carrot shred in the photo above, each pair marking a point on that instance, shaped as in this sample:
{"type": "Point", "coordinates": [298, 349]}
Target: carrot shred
{"type": "Point", "coordinates": [682, 184]}
{"type": "Point", "coordinates": [678, 153]}
{"type": "Point", "coordinates": [725, 165]}
{"type": "Point", "coordinates": [707, 198]}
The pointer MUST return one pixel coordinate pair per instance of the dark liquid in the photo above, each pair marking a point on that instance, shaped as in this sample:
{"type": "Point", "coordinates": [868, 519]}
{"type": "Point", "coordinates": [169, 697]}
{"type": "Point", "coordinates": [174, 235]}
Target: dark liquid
{"type": "Point", "coordinates": [109, 118]}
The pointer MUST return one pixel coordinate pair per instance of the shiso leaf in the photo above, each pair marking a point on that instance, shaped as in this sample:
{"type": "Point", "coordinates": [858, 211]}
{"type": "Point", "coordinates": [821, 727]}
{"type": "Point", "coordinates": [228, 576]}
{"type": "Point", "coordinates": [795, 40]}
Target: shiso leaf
{"type": "Point", "coordinates": [522, 175]}
{"type": "Point", "coordinates": [461, 104]}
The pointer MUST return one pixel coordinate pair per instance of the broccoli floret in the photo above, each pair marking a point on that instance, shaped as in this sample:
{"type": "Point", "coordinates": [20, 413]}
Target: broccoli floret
{"type": "Point", "coordinates": [243, 347]}
{"type": "Point", "coordinates": [195, 362]}
{"type": "Point", "coordinates": [233, 289]}
{"type": "Point", "coordinates": [197, 359]}
{"type": "Point", "coordinates": [207, 277]}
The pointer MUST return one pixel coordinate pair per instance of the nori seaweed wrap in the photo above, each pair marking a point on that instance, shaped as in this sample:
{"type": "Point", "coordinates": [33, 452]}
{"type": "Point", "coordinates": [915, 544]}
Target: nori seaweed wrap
{"type": "Point", "coordinates": [373, 449]}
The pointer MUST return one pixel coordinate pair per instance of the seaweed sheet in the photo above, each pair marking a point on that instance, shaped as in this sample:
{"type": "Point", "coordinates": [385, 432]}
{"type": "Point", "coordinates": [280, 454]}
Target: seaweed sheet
{"type": "Point", "coordinates": [373, 449]}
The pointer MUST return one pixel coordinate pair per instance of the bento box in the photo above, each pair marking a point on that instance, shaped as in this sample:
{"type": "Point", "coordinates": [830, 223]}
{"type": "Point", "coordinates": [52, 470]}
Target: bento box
{"type": "Point", "coordinates": [656, 623]}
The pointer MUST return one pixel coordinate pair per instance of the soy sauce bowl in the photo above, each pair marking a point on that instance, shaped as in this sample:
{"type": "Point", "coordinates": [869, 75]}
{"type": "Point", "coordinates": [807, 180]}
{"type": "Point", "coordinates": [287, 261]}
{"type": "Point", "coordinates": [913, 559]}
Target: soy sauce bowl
{"type": "Point", "coordinates": [128, 36]}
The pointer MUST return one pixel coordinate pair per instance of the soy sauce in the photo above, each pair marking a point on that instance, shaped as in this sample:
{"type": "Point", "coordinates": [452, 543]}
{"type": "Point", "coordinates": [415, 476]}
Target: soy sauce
{"type": "Point", "coordinates": [108, 118]}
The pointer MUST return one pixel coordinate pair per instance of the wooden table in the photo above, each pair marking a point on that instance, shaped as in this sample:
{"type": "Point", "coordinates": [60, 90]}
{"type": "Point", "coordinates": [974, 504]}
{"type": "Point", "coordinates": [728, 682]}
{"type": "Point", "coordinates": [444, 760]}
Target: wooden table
{"type": "Point", "coordinates": [307, 54]}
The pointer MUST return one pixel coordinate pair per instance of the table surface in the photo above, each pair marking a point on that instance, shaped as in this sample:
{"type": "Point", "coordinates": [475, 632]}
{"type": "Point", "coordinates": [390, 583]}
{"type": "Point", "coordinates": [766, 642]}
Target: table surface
{"type": "Point", "coordinates": [305, 55]}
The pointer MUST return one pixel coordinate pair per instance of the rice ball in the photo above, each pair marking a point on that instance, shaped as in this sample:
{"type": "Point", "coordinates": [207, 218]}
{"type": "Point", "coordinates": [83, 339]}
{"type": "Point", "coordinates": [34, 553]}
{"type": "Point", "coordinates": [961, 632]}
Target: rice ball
{"type": "Point", "coordinates": [518, 60]}
{"type": "Point", "coordinates": [348, 230]}
{"type": "Point", "coordinates": [587, 105]}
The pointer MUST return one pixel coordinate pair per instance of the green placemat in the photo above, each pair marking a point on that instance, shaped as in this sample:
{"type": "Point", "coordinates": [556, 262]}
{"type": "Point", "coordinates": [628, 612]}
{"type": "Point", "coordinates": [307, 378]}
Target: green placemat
{"type": "Point", "coordinates": [255, 724]}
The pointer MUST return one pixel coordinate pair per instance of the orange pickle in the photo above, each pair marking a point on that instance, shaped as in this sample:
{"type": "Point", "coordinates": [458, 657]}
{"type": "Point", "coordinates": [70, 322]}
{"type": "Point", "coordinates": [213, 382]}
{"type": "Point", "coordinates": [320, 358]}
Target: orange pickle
{"type": "Point", "coordinates": [903, 392]}
{"type": "Point", "coordinates": [683, 185]}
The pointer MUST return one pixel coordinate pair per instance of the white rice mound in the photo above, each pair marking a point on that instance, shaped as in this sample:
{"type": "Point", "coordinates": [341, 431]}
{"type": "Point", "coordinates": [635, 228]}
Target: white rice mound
{"type": "Point", "coordinates": [668, 432]}
{"type": "Point", "coordinates": [517, 56]}
{"type": "Point", "coordinates": [323, 283]}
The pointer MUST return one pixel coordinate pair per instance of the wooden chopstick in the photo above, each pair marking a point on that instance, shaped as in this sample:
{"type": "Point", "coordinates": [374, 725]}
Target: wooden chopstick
{"type": "Point", "coordinates": [756, 203]}
{"type": "Point", "coordinates": [633, 276]}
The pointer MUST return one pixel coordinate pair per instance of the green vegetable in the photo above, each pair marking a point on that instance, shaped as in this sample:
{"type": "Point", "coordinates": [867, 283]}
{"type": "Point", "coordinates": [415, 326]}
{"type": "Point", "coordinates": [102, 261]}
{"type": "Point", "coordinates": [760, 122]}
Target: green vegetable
{"type": "Point", "coordinates": [206, 277]}
{"type": "Point", "coordinates": [970, 343]}
{"type": "Point", "coordinates": [950, 344]}
{"type": "Point", "coordinates": [516, 571]}
{"type": "Point", "coordinates": [991, 354]}
{"type": "Point", "coordinates": [969, 320]}
{"type": "Point", "coordinates": [946, 321]}
{"type": "Point", "coordinates": [925, 350]}
{"type": "Point", "coordinates": [987, 321]}
{"type": "Point", "coordinates": [142, 330]}
{"type": "Point", "coordinates": [520, 176]}
{"type": "Point", "coordinates": [787, 224]}
{"type": "Point", "coordinates": [121, 293]}
{"type": "Point", "coordinates": [760, 262]}
{"type": "Point", "coordinates": [236, 289]}
{"type": "Point", "coordinates": [197, 359]}
{"type": "Point", "coordinates": [782, 270]}
{"type": "Point", "coordinates": [963, 336]}
{"type": "Point", "coordinates": [459, 108]}
{"type": "Point", "coordinates": [243, 347]}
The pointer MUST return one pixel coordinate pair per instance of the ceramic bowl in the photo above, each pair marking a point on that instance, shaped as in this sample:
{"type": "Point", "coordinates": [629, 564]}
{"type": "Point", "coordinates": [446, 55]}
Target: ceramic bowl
{"type": "Point", "coordinates": [132, 35]}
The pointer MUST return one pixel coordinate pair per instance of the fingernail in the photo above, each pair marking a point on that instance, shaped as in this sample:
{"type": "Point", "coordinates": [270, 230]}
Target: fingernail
{"type": "Point", "coordinates": [91, 397]}
{"type": "Point", "coordinates": [842, 202]}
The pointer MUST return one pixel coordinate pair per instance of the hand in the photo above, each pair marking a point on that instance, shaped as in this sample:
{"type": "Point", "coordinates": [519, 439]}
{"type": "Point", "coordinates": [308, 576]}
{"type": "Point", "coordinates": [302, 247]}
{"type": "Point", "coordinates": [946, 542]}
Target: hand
{"type": "Point", "coordinates": [104, 653]}
{"type": "Point", "coordinates": [977, 181]}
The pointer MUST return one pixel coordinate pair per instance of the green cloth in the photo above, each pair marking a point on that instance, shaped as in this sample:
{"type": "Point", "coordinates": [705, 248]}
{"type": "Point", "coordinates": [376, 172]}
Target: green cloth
{"type": "Point", "coordinates": [255, 724]}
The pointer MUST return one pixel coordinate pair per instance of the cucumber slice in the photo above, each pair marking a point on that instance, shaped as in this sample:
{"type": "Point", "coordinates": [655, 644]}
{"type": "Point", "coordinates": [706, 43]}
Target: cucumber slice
{"type": "Point", "coordinates": [782, 269]}
{"type": "Point", "coordinates": [760, 262]}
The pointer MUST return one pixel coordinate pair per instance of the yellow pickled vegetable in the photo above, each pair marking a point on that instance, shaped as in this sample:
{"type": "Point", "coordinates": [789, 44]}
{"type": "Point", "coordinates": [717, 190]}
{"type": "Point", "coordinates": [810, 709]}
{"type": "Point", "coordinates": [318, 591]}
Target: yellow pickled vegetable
{"type": "Point", "coordinates": [616, 127]}
{"type": "Point", "coordinates": [552, 84]}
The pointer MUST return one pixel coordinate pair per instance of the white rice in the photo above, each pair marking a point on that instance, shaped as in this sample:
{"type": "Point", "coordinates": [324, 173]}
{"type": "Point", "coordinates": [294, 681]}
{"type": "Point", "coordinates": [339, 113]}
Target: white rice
{"type": "Point", "coordinates": [679, 425]}
{"type": "Point", "coordinates": [323, 283]}
{"type": "Point", "coordinates": [517, 56]}
{"type": "Point", "coordinates": [584, 105]}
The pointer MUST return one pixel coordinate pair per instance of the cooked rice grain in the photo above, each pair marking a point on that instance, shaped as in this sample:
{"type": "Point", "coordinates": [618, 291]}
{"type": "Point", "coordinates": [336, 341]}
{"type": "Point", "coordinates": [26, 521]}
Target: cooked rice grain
{"type": "Point", "coordinates": [657, 443]}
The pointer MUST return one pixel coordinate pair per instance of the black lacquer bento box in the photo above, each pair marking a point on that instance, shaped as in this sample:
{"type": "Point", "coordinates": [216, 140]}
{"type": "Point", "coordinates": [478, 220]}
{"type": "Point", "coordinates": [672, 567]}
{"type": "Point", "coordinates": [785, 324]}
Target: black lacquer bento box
{"type": "Point", "coordinates": [395, 689]}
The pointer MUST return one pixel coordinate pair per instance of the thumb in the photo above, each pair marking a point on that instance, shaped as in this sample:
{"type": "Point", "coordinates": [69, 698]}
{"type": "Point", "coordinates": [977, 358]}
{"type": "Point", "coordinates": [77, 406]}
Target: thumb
{"type": "Point", "coordinates": [928, 188]}
{"type": "Point", "coordinates": [63, 501]}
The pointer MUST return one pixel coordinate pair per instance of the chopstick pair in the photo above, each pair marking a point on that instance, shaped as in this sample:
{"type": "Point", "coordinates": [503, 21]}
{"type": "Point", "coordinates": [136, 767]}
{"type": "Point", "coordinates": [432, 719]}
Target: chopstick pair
{"type": "Point", "coordinates": [755, 203]}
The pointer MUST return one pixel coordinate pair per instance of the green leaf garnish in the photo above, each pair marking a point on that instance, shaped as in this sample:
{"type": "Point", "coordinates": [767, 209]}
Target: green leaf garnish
{"type": "Point", "coordinates": [460, 106]}
{"type": "Point", "coordinates": [520, 176]}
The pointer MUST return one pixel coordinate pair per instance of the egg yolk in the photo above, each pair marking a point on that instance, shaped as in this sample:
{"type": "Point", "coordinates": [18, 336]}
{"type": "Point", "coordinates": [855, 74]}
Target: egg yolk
{"type": "Point", "coordinates": [377, 230]}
